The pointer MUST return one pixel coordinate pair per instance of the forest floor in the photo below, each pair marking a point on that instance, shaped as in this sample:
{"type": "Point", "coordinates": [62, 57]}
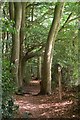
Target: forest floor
{"type": "Point", "coordinates": [44, 106]}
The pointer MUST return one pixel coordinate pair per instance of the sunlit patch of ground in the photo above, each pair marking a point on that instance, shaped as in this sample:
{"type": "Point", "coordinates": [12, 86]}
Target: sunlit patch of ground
{"type": "Point", "coordinates": [44, 106]}
{"type": "Point", "coordinates": [35, 82]}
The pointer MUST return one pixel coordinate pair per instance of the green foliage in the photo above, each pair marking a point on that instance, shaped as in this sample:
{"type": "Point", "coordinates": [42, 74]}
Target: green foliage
{"type": "Point", "coordinates": [36, 35]}
{"type": "Point", "coordinates": [9, 109]}
{"type": "Point", "coordinates": [28, 72]}
{"type": "Point", "coordinates": [37, 30]}
{"type": "Point", "coordinates": [7, 25]}
{"type": "Point", "coordinates": [65, 50]}
{"type": "Point", "coordinates": [71, 7]}
{"type": "Point", "coordinates": [66, 45]}
{"type": "Point", "coordinates": [8, 87]}
{"type": "Point", "coordinates": [8, 84]}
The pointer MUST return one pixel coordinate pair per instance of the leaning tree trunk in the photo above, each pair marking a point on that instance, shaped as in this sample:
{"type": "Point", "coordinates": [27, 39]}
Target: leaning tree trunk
{"type": "Point", "coordinates": [47, 62]}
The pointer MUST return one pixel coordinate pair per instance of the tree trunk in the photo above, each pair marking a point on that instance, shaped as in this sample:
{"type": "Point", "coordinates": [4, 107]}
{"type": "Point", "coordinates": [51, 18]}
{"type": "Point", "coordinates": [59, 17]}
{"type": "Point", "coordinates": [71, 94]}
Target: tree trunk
{"type": "Point", "coordinates": [7, 44]}
{"type": "Point", "coordinates": [32, 13]}
{"type": "Point", "coordinates": [59, 81]}
{"type": "Point", "coordinates": [11, 10]}
{"type": "Point", "coordinates": [12, 13]}
{"type": "Point", "coordinates": [4, 35]}
{"type": "Point", "coordinates": [21, 61]}
{"type": "Point", "coordinates": [39, 68]}
{"type": "Point", "coordinates": [16, 38]}
{"type": "Point", "coordinates": [47, 62]}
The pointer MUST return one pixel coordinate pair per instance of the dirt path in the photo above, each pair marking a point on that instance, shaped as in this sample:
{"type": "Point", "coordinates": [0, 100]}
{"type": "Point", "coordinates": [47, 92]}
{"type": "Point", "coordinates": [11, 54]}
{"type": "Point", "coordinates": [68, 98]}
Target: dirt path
{"type": "Point", "coordinates": [44, 106]}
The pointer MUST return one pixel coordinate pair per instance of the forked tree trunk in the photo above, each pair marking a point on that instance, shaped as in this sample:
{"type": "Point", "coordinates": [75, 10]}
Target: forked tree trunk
{"type": "Point", "coordinates": [17, 13]}
{"type": "Point", "coordinates": [47, 62]}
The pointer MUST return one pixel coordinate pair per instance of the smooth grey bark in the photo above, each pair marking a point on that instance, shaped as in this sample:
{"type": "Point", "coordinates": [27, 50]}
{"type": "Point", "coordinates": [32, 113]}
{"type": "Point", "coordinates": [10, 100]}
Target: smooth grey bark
{"type": "Point", "coordinates": [39, 68]}
{"type": "Point", "coordinates": [47, 62]}
{"type": "Point", "coordinates": [18, 18]}
{"type": "Point", "coordinates": [21, 61]}
{"type": "Point", "coordinates": [17, 13]}
{"type": "Point", "coordinates": [16, 41]}
{"type": "Point", "coordinates": [11, 10]}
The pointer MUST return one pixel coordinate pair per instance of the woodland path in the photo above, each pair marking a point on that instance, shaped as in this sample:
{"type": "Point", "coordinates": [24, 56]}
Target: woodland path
{"type": "Point", "coordinates": [44, 106]}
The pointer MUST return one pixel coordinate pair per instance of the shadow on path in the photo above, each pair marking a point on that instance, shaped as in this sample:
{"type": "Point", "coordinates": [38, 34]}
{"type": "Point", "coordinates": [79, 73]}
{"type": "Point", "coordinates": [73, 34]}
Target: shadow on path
{"type": "Point", "coordinates": [44, 106]}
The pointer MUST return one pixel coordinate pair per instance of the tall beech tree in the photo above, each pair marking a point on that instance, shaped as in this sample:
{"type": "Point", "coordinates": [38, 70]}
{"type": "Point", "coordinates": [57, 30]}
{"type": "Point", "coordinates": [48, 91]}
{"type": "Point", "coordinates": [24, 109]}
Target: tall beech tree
{"type": "Point", "coordinates": [47, 62]}
{"type": "Point", "coordinates": [18, 18]}
{"type": "Point", "coordinates": [16, 15]}
{"type": "Point", "coordinates": [22, 35]}
{"type": "Point", "coordinates": [31, 21]}
{"type": "Point", "coordinates": [18, 58]}
{"type": "Point", "coordinates": [11, 13]}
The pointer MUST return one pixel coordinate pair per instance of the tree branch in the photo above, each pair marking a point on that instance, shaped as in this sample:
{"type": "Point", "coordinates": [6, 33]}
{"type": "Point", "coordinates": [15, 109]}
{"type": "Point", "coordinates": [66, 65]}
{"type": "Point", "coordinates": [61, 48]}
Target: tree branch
{"type": "Point", "coordinates": [34, 46]}
{"type": "Point", "coordinates": [73, 19]}
{"type": "Point", "coordinates": [68, 21]}
{"type": "Point", "coordinates": [31, 54]}
{"type": "Point", "coordinates": [42, 18]}
{"type": "Point", "coordinates": [65, 22]}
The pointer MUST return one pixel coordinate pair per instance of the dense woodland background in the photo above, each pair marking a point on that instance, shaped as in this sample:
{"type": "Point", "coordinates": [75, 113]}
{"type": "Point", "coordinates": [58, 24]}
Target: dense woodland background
{"type": "Point", "coordinates": [40, 41]}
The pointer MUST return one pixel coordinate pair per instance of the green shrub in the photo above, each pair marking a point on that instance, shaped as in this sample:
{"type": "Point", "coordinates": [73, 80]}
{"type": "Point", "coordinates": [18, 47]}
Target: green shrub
{"type": "Point", "coordinates": [8, 88]}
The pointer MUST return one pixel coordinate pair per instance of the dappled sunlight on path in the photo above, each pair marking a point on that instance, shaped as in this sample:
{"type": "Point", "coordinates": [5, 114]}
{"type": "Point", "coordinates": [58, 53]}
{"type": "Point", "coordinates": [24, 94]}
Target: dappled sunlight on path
{"type": "Point", "coordinates": [43, 106]}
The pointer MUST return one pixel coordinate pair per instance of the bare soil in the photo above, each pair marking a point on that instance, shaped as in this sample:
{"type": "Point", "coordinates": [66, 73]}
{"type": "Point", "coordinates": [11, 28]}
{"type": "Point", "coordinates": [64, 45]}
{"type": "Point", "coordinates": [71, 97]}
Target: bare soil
{"type": "Point", "coordinates": [46, 106]}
